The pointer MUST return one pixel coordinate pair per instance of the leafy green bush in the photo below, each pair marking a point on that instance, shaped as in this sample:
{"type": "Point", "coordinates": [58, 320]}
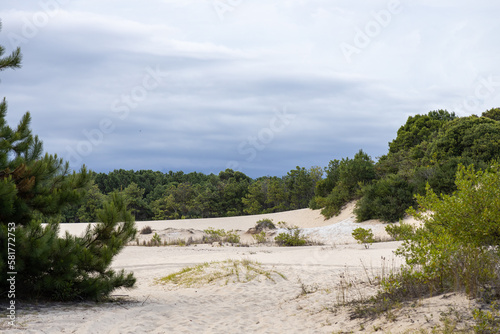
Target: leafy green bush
{"type": "Point", "coordinates": [456, 249]}
{"type": "Point", "coordinates": [263, 224]}
{"type": "Point", "coordinates": [387, 199]}
{"type": "Point", "coordinates": [363, 236]}
{"type": "Point", "coordinates": [292, 237]}
{"type": "Point", "coordinates": [260, 238]}
{"type": "Point", "coordinates": [401, 231]}
{"type": "Point", "coordinates": [220, 235]}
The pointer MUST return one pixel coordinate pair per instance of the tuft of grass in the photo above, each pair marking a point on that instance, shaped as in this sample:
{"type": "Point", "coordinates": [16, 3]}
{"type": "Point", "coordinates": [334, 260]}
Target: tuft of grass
{"type": "Point", "coordinates": [220, 272]}
{"type": "Point", "coordinates": [146, 230]}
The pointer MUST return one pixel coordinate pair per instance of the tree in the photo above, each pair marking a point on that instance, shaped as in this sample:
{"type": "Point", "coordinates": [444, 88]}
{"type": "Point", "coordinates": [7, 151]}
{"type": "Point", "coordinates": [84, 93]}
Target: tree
{"type": "Point", "coordinates": [34, 189]}
{"type": "Point", "coordinates": [134, 195]}
{"type": "Point", "coordinates": [492, 113]}
{"type": "Point", "coordinates": [92, 203]}
{"type": "Point", "coordinates": [300, 186]}
{"type": "Point", "coordinates": [419, 128]}
{"type": "Point", "coordinates": [347, 177]}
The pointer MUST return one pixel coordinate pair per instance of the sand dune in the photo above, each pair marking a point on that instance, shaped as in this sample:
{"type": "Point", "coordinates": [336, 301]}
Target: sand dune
{"type": "Point", "coordinates": [307, 300]}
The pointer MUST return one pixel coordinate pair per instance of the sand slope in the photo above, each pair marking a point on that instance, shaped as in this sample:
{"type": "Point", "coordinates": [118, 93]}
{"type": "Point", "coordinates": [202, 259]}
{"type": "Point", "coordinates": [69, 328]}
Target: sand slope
{"type": "Point", "coordinates": [254, 307]}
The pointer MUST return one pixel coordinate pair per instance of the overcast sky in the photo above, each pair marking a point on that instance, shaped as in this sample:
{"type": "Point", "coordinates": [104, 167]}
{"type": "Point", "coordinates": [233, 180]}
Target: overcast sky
{"type": "Point", "coordinates": [257, 86]}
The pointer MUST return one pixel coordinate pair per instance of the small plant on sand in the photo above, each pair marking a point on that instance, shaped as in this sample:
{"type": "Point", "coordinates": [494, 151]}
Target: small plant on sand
{"type": "Point", "coordinates": [363, 236]}
{"type": "Point", "coordinates": [156, 240]}
{"type": "Point", "coordinates": [146, 230]}
{"type": "Point", "coordinates": [260, 238]}
{"type": "Point", "coordinates": [220, 235]}
{"type": "Point", "coordinates": [293, 237]}
{"type": "Point", "coordinates": [214, 235]}
{"type": "Point", "coordinates": [222, 273]}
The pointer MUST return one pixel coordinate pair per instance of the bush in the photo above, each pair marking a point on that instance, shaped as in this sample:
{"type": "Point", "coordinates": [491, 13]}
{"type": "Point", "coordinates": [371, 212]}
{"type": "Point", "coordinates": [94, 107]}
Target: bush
{"type": "Point", "coordinates": [292, 237]}
{"type": "Point", "coordinates": [401, 231]}
{"type": "Point", "coordinates": [456, 249]}
{"type": "Point", "coordinates": [363, 236]}
{"type": "Point", "coordinates": [156, 240]}
{"type": "Point", "coordinates": [260, 238]}
{"type": "Point", "coordinates": [146, 230]}
{"type": "Point", "coordinates": [221, 235]}
{"type": "Point", "coordinates": [263, 224]}
{"type": "Point", "coordinates": [387, 199]}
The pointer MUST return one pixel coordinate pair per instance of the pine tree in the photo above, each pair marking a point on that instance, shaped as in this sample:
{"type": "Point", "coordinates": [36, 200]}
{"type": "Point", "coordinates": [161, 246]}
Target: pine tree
{"type": "Point", "coordinates": [34, 189]}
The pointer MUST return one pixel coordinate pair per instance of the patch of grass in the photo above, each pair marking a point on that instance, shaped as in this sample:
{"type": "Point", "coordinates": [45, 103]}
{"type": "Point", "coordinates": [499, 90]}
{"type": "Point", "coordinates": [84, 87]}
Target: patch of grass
{"type": "Point", "coordinates": [220, 272]}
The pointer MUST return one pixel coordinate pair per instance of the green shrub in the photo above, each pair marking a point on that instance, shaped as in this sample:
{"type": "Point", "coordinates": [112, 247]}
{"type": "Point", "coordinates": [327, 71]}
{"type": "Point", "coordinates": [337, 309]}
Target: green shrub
{"type": "Point", "coordinates": [156, 240]}
{"type": "Point", "coordinates": [363, 236]}
{"type": "Point", "coordinates": [401, 231]}
{"type": "Point", "coordinates": [264, 224]}
{"type": "Point", "coordinates": [292, 237]}
{"type": "Point", "coordinates": [220, 235]}
{"type": "Point", "coordinates": [387, 199]}
{"type": "Point", "coordinates": [232, 237]}
{"type": "Point", "coordinates": [260, 238]}
{"type": "Point", "coordinates": [286, 239]}
{"type": "Point", "coordinates": [456, 248]}
{"type": "Point", "coordinates": [214, 235]}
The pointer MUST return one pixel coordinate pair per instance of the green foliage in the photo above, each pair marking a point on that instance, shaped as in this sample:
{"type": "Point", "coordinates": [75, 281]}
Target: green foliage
{"type": "Point", "coordinates": [345, 179]}
{"type": "Point", "coordinates": [92, 203]}
{"type": "Point", "coordinates": [385, 199]}
{"type": "Point", "coordinates": [260, 237]}
{"type": "Point", "coordinates": [220, 235]}
{"type": "Point", "coordinates": [456, 247]}
{"type": "Point", "coordinates": [492, 113]}
{"type": "Point", "coordinates": [401, 231]}
{"type": "Point", "coordinates": [363, 236]}
{"type": "Point", "coordinates": [34, 191]}
{"type": "Point", "coordinates": [419, 128]}
{"type": "Point", "coordinates": [263, 224]}
{"type": "Point", "coordinates": [156, 240]}
{"type": "Point", "coordinates": [11, 61]}
{"type": "Point", "coordinates": [292, 237]}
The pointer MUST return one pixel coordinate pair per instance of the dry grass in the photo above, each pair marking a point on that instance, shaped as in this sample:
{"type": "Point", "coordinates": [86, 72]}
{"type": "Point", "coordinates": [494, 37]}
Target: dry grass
{"type": "Point", "coordinates": [221, 273]}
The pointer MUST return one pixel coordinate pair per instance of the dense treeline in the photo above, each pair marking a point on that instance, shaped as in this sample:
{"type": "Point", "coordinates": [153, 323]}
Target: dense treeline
{"type": "Point", "coordinates": [176, 195]}
{"type": "Point", "coordinates": [427, 150]}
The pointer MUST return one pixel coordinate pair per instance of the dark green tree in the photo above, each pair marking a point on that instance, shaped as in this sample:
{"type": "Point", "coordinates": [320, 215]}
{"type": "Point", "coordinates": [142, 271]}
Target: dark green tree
{"type": "Point", "coordinates": [492, 113]}
{"type": "Point", "coordinates": [34, 189]}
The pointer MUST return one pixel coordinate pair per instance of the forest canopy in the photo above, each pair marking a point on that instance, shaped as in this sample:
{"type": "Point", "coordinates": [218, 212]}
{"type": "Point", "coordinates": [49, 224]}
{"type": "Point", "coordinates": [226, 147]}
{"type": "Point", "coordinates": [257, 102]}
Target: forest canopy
{"type": "Point", "coordinates": [427, 149]}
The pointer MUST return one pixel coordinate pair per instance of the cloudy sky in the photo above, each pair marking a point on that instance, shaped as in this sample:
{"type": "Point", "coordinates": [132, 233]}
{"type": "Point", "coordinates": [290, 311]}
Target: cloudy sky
{"type": "Point", "coordinates": [257, 86]}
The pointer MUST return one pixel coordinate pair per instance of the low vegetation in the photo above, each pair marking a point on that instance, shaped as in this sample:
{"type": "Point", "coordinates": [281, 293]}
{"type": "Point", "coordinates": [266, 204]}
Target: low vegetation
{"type": "Point", "coordinates": [363, 236]}
{"type": "Point", "coordinates": [221, 273]}
{"type": "Point", "coordinates": [456, 249]}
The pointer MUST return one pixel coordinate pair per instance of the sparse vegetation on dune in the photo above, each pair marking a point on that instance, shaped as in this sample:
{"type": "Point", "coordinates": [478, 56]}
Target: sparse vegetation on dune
{"type": "Point", "coordinates": [455, 250]}
{"type": "Point", "coordinates": [222, 273]}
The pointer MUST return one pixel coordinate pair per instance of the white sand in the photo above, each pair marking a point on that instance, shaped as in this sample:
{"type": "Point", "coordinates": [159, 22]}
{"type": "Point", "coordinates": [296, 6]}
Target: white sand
{"type": "Point", "coordinates": [253, 307]}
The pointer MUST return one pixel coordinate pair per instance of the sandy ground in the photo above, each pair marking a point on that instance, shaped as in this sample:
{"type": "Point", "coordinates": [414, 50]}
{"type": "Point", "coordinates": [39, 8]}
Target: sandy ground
{"type": "Point", "coordinates": [308, 299]}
